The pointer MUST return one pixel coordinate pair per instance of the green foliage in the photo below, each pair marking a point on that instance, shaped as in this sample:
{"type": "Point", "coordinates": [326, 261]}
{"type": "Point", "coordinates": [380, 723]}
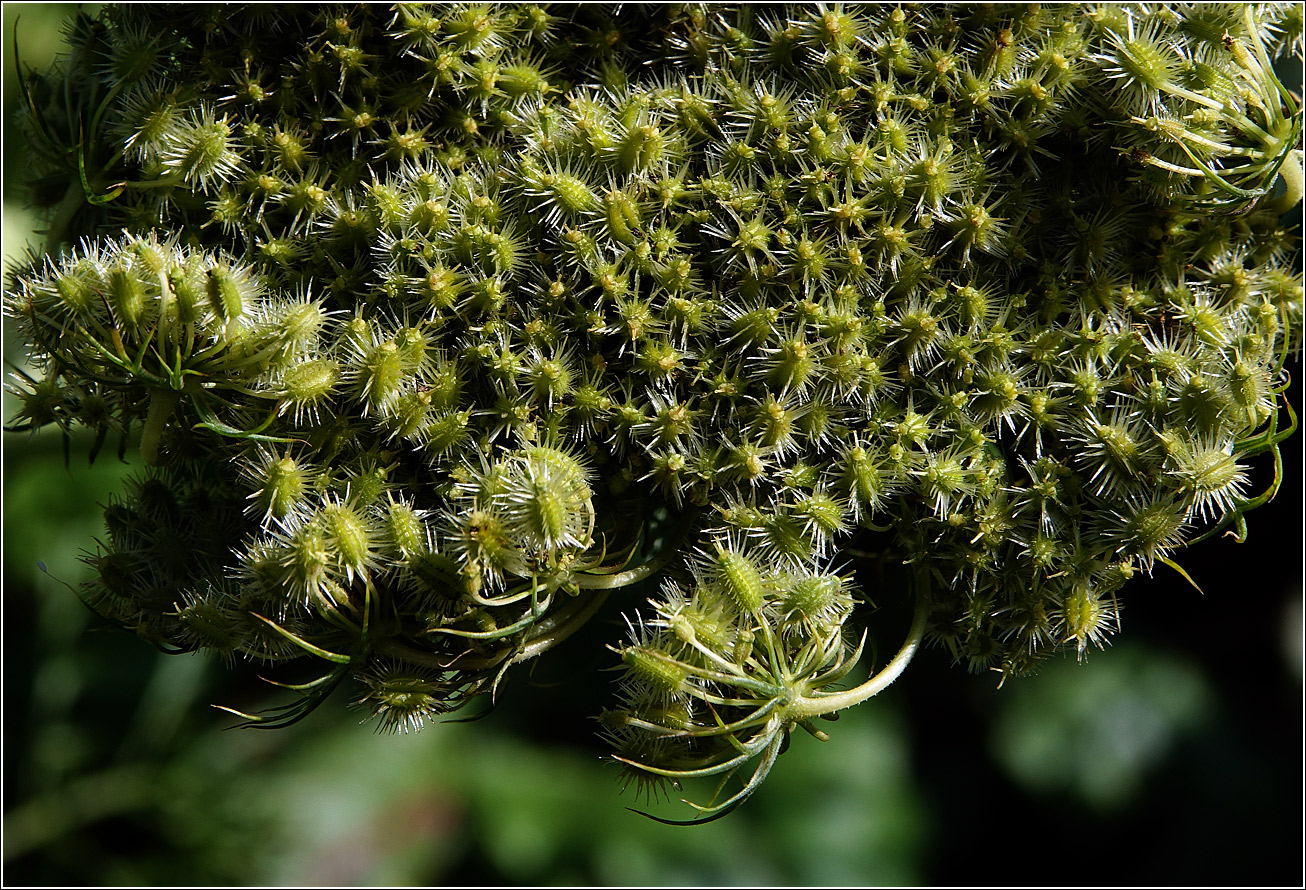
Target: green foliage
{"type": "Point", "coordinates": [439, 324]}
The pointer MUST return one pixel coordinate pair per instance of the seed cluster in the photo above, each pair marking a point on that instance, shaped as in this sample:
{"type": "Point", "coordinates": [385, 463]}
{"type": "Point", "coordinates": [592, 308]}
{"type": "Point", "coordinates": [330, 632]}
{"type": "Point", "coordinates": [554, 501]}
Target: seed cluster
{"type": "Point", "coordinates": [442, 322]}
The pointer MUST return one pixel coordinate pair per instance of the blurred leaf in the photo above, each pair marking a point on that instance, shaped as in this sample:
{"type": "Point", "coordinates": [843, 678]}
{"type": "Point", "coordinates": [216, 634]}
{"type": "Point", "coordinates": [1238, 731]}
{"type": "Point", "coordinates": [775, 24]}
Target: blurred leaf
{"type": "Point", "coordinates": [1096, 733]}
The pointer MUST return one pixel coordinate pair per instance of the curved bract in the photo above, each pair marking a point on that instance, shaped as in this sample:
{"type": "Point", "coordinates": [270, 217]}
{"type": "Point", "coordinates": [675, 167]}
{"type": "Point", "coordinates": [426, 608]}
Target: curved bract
{"type": "Point", "coordinates": [440, 324]}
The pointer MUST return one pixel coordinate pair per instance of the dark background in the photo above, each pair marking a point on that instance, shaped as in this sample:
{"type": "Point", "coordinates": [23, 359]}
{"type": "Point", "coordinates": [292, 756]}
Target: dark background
{"type": "Point", "coordinates": [1172, 757]}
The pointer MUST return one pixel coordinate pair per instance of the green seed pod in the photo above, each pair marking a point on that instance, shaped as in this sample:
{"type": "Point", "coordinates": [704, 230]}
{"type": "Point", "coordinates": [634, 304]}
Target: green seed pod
{"type": "Point", "coordinates": [406, 415]}
{"type": "Point", "coordinates": [202, 151]}
{"type": "Point", "coordinates": [1086, 617]}
{"type": "Point", "coordinates": [550, 379]}
{"type": "Point", "coordinates": [739, 578]}
{"type": "Point", "coordinates": [639, 148]}
{"type": "Point", "coordinates": [792, 365]}
{"type": "Point", "coordinates": [623, 217]}
{"type": "Point", "coordinates": [677, 275]}
{"type": "Point", "coordinates": [189, 284]}
{"type": "Point", "coordinates": [446, 434]}
{"type": "Point", "coordinates": [405, 531]}
{"type": "Point", "coordinates": [746, 462]}
{"type": "Point", "coordinates": [296, 325]}
{"type": "Point", "coordinates": [1146, 530]}
{"type": "Point", "coordinates": [209, 625]}
{"type": "Point", "coordinates": [287, 149]}
{"type": "Point", "coordinates": [403, 697]}
{"type": "Point", "coordinates": [307, 385]}
{"type": "Point", "coordinates": [43, 402]}
{"type": "Point", "coordinates": [441, 288]}
{"type": "Point", "coordinates": [349, 534]}
{"type": "Point", "coordinates": [754, 326]}
{"type": "Point", "coordinates": [384, 203]}
{"type": "Point", "coordinates": [444, 382]}
{"type": "Point", "coordinates": [414, 346]}
{"type": "Point", "coordinates": [544, 495]}
{"type": "Point", "coordinates": [429, 217]}
{"type": "Point", "coordinates": [378, 374]}
{"type": "Point", "coordinates": [860, 476]}
{"type": "Point", "coordinates": [77, 289]}
{"type": "Point", "coordinates": [579, 248]}
{"type": "Point", "coordinates": [742, 647]}
{"type": "Point", "coordinates": [149, 119]}
{"type": "Point", "coordinates": [823, 513]}
{"type": "Point", "coordinates": [738, 159]}
{"type": "Point", "coordinates": [305, 199]}
{"type": "Point", "coordinates": [280, 485]}
{"type": "Point", "coordinates": [227, 292]}
{"type": "Point", "coordinates": [774, 424]}
{"type": "Point", "coordinates": [484, 548]}
{"type": "Point", "coordinates": [1248, 388]}
{"type": "Point", "coordinates": [523, 80]}
{"type": "Point", "coordinates": [1201, 406]}
{"type": "Point", "coordinates": [814, 596]}
{"type": "Point", "coordinates": [128, 297]}
{"type": "Point", "coordinates": [566, 196]}
{"type": "Point", "coordinates": [653, 668]}
{"type": "Point", "coordinates": [149, 256]}
{"type": "Point", "coordinates": [486, 296]}
{"type": "Point", "coordinates": [676, 715]}
{"type": "Point", "coordinates": [787, 536]}
{"type": "Point", "coordinates": [305, 559]}
{"type": "Point", "coordinates": [492, 252]}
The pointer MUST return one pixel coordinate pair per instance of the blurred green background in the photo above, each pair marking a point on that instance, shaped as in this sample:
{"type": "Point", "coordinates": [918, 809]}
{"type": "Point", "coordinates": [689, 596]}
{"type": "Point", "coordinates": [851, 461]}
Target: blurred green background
{"type": "Point", "coordinates": [1173, 757]}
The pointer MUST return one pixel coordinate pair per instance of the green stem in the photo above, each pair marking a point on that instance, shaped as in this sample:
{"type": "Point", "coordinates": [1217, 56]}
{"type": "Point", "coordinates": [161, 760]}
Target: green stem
{"type": "Point", "coordinates": [162, 404]}
{"type": "Point", "coordinates": [402, 652]}
{"type": "Point", "coordinates": [72, 201]}
{"type": "Point", "coordinates": [626, 578]}
{"type": "Point", "coordinates": [567, 625]}
{"type": "Point", "coordinates": [1294, 178]}
{"type": "Point", "coordinates": [804, 708]}
{"type": "Point", "coordinates": [163, 182]}
{"type": "Point", "coordinates": [647, 570]}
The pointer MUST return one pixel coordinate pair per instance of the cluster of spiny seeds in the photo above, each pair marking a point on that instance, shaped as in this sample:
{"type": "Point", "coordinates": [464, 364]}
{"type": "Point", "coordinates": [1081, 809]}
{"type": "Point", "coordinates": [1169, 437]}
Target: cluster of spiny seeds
{"type": "Point", "coordinates": [454, 319]}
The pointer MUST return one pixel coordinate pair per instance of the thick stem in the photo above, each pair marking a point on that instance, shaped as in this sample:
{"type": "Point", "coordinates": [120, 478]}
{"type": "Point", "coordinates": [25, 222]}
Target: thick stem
{"type": "Point", "coordinates": [650, 568]}
{"type": "Point", "coordinates": [1294, 178]}
{"type": "Point", "coordinates": [162, 403]}
{"type": "Point", "coordinates": [402, 652]}
{"type": "Point", "coordinates": [73, 199]}
{"type": "Point", "coordinates": [805, 708]}
{"type": "Point", "coordinates": [626, 578]}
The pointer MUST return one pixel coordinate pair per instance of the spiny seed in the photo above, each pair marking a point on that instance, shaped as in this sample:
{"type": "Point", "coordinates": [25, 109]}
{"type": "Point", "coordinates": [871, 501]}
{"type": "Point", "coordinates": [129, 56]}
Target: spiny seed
{"type": "Point", "coordinates": [75, 293]}
{"type": "Point", "coordinates": [741, 579]}
{"type": "Point", "coordinates": [284, 484]}
{"type": "Point", "coordinates": [349, 535]}
{"type": "Point", "coordinates": [381, 372]}
{"type": "Point", "coordinates": [310, 381]}
{"type": "Point", "coordinates": [570, 194]}
{"type": "Point", "coordinates": [547, 514]}
{"type": "Point", "coordinates": [655, 668]}
{"type": "Point", "coordinates": [622, 217]}
{"type": "Point", "coordinates": [447, 433]}
{"type": "Point", "coordinates": [307, 557]}
{"type": "Point", "coordinates": [810, 597]}
{"type": "Point", "coordinates": [224, 293]}
{"type": "Point", "coordinates": [405, 529]}
{"type": "Point", "coordinates": [301, 322]}
{"type": "Point", "coordinates": [127, 297]}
